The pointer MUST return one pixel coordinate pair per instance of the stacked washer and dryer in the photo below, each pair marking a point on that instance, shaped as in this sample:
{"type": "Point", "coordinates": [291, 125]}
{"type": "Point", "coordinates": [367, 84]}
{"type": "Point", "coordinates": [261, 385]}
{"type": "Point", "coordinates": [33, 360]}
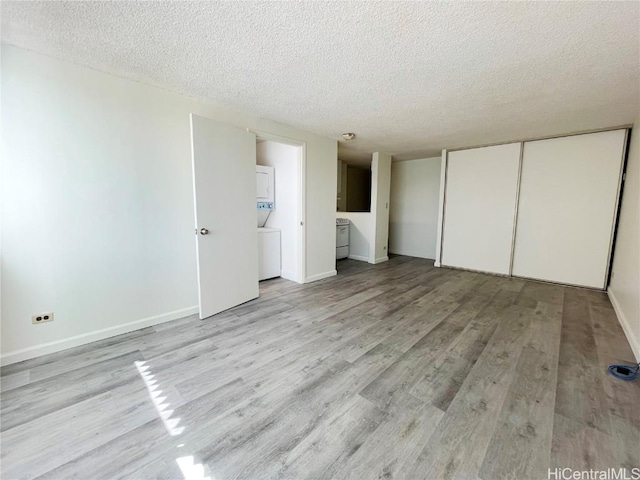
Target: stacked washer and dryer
{"type": "Point", "coordinates": [269, 256]}
{"type": "Point", "coordinates": [342, 238]}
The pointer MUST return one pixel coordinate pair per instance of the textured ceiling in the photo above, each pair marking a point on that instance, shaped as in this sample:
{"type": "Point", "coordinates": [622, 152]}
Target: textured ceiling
{"type": "Point", "coordinates": [408, 78]}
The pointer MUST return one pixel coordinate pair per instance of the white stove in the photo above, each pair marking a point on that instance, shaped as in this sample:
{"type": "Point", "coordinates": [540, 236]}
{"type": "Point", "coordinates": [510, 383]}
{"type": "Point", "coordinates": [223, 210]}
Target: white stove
{"type": "Point", "coordinates": [342, 238]}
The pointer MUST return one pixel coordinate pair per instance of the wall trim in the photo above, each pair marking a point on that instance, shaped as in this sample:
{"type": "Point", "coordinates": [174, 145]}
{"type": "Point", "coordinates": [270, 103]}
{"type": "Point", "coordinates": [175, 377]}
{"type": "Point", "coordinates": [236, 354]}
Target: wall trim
{"type": "Point", "coordinates": [360, 258]}
{"type": "Point", "coordinates": [320, 276]}
{"type": "Point", "coordinates": [626, 326]}
{"type": "Point", "coordinates": [410, 254]}
{"type": "Point", "coordinates": [85, 338]}
{"type": "Point", "coordinates": [380, 260]}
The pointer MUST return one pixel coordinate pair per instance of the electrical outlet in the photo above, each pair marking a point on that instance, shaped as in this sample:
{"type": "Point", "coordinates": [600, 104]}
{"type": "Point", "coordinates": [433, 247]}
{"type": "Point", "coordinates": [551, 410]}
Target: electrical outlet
{"type": "Point", "coordinates": [42, 318]}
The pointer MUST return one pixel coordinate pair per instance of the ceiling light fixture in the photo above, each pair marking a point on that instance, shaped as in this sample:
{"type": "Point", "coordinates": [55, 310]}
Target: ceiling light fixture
{"type": "Point", "coordinates": [348, 136]}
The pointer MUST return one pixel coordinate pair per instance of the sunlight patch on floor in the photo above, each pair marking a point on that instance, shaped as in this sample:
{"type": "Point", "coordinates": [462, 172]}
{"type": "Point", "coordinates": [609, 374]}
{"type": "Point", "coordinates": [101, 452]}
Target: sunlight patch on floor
{"type": "Point", "coordinates": [171, 424]}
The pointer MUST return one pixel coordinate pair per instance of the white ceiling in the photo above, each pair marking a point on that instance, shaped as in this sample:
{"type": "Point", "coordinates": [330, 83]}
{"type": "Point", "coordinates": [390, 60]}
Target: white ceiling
{"type": "Point", "coordinates": [408, 78]}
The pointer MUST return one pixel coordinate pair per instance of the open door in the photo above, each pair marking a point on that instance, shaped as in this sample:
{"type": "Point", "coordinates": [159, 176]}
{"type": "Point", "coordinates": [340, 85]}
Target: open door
{"type": "Point", "coordinates": [224, 180]}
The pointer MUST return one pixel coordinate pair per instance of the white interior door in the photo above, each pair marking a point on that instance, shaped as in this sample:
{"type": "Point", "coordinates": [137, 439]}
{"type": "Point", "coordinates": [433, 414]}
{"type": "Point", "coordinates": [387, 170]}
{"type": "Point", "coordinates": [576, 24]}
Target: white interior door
{"type": "Point", "coordinates": [224, 178]}
{"type": "Point", "coordinates": [568, 197]}
{"type": "Point", "coordinates": [481, 189]}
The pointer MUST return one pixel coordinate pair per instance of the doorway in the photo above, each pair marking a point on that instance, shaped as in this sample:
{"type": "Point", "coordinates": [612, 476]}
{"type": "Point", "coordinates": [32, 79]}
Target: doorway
{"type": "Point", "coordinates": [286, 159]}
{"type": "Point", "coordinates": [225, 192]}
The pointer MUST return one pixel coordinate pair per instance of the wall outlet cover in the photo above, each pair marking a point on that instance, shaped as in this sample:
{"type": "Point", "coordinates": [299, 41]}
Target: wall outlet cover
{"type": "Point", "coordinates": [42, 318]}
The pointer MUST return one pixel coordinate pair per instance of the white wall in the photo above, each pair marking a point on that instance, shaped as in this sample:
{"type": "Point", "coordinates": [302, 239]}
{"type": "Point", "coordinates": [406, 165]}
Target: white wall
{"type": "Point", "coordinates": [413, 210]}
{"type": "Point", "coordinates": [98, 221]}
{"type": "Point", "coordinates": [284, 158]}
{"type": "Point", "coordinates": [380, 193]}
{"type": "Point", "coordinates": [624, 290]}
{"type": "Point", "coordinates": [360, 234]}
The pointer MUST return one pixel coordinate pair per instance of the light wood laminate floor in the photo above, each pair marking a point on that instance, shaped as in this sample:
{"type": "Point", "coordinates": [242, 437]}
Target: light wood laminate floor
{"type": "Point", "coordinates": [397, 370]}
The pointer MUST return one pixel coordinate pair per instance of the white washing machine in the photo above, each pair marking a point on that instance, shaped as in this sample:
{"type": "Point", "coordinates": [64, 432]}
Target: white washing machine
{"type": "Point", "coordinates": [342, 238]}
{"type": "Point", "coordinates": [269, 258]}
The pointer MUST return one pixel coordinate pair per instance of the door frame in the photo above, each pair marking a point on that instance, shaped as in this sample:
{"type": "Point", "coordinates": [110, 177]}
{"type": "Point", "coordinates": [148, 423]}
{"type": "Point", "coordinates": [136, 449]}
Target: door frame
{"type": "Point", "coordinates": [301, 274]}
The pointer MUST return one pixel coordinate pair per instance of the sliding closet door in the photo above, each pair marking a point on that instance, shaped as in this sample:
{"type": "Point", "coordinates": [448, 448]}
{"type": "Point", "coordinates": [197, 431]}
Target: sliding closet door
{"type": "Point", "coordinates": [568, 198]}
{"type": "Point", "coordinates": [480, 200]}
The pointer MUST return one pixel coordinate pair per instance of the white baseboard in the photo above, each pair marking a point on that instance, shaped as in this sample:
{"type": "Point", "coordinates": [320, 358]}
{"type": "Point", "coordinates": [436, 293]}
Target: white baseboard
{"type": "Point", "coordinates": [626, 326]}
{"type": "Point", "coordinates": [359, 258]}
{"type": "Point", "coordinates": [380, 260]}
{"type": "Point", "coordinates": [77, 340]}
{"type": "Point", "coordinates": [320, 276]}
{"type": "Point", "coordinates": [410, 254]}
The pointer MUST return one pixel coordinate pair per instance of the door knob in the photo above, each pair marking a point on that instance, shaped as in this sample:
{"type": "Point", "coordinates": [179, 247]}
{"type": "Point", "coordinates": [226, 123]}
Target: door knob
{"type": "Point", "coordinates": [204, 231]}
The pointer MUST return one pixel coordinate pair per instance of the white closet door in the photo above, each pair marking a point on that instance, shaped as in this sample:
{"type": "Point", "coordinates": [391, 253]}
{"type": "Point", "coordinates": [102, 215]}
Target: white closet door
{"type": "Point", "coordinates": [568, 197]}
{"type": "Point", "coordinates": [481, 186]}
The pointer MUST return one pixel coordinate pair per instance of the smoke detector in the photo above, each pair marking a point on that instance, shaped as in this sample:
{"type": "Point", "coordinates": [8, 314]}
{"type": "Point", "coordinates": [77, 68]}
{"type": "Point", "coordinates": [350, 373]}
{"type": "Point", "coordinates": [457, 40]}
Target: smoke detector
{"type": "Point", "coordinates": [348, 136]}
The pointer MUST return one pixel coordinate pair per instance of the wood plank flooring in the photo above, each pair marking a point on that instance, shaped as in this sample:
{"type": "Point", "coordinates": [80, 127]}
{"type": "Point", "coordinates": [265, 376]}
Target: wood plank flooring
{"type": "Point", "coordinates": [396, 371]}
